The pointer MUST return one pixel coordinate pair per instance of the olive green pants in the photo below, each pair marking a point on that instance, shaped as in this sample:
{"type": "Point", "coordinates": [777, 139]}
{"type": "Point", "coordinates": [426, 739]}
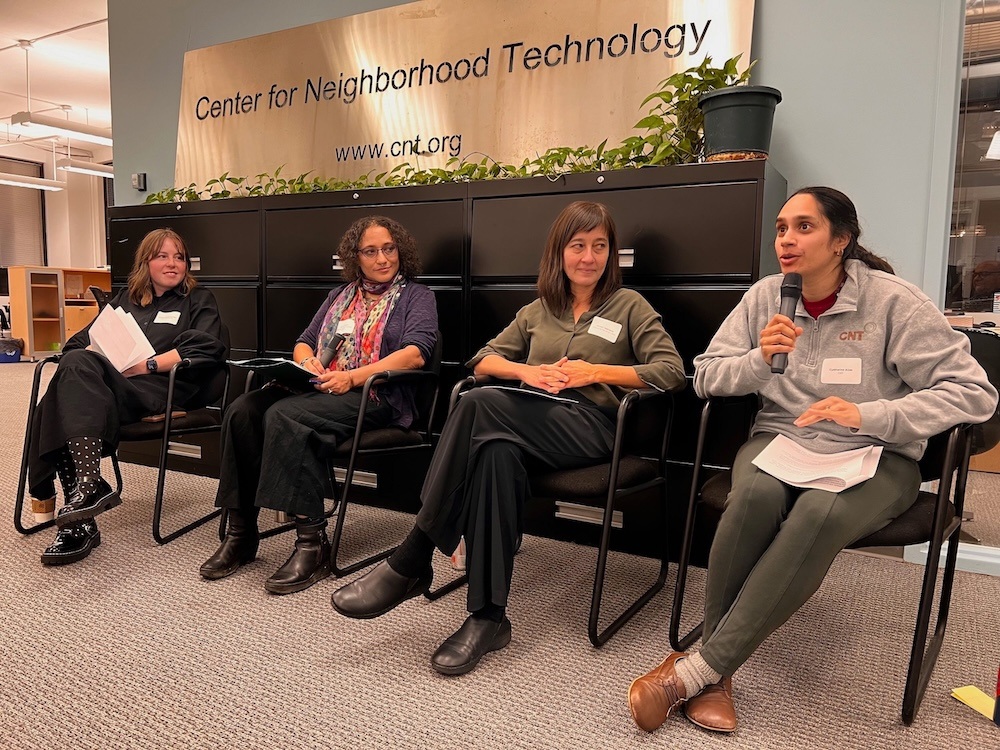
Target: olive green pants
{"type": "Point", "coordinates": [775, 544]}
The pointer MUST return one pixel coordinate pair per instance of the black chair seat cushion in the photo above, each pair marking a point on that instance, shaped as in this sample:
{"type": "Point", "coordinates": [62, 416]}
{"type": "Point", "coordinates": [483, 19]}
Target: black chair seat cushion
{"type": "Point", "coordinates": [380, 439]}
{"type": "Point", "coordinates": [913, 527]}
{"type": "Point", "coordinates": [582, 483]}
{"type": "Point", "coordinates": [198, 419]}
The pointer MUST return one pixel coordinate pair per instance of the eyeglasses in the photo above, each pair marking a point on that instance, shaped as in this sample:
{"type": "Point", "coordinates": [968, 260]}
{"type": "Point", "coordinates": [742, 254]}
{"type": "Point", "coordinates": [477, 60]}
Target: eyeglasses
{"type": "Point", "coordinates": [389, 251]}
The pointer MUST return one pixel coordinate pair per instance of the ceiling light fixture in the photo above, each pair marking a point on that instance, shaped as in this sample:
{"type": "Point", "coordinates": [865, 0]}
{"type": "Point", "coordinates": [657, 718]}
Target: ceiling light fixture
{"type": "Point", "coordinates": [35, 125]}
{"type": "Point", "coordinates": [37, 183]}
{"type": "Point", "coordinates": [85, 167]}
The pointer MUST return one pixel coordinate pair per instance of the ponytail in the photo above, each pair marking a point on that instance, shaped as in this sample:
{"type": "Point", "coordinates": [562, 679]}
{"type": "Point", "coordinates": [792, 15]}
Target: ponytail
{"type": "Point", "coordinates": [843, 217]}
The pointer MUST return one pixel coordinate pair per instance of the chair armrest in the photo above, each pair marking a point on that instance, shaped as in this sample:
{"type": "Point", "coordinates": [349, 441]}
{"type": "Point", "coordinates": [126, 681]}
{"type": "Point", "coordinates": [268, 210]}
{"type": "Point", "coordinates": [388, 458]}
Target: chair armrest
{"type": "Point", "coordinates": [627, 406]}
{"type": "Point", "coordinates": [36, 380]}
{"type": "Point", "coordinates": [399, 376]}
{"type": "Point", "coordinates": [194, 362]}
{"type": "Point", "coordinates": [198, 362]}
{"type": "Point", "coordinates": [389, 376]}
{"type": "Point", "coordinates": [637, 396]}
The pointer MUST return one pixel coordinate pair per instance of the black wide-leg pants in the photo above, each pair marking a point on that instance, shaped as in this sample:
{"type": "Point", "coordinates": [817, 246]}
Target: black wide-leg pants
{"type": "Point", "coordinates": [478, 478]}
{"type": "Point", "coordinates": [274, 444]}
{"type": "Point", "coordinates": [88, 397]}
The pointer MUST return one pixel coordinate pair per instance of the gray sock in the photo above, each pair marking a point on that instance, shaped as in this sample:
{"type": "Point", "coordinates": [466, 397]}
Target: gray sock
{"type": "Point", "coordinates": [695, 673]}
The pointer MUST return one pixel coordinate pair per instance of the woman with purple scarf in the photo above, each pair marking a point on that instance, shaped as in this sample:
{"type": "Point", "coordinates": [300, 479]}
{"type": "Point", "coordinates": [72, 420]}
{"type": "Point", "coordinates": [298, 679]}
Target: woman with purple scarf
{"type": "Point", "coordinates": [273, 438]}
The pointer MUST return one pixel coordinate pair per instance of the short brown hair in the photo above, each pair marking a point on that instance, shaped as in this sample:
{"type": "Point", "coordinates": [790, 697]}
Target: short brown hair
{"type": "Point", "coordinates": [409, 261]}
{"type": "Point", "coordinates": [140, 285]}
{"type": "Point", "coordinates": [553, 284]}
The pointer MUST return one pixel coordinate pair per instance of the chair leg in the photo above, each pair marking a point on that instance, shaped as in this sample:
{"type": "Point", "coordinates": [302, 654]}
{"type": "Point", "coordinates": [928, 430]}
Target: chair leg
{"type": "Point", "coordinates": [161, 474]}
{"type": "Point", "coordinates": [446, 588]}
{"type": "Point", "coordinates": [924, 658]}
{"type": "Point", "coordinates": [677, 642]}
{"type": "Point", "coordinates": [22, 479]}
{"type": "Point", "coordinates": [599, 638]}
{"type": "Point", "coordinates": [118, 473]}
{"type": "Point", "coordinates": [338, 530]}
{"type": "Point", "coordinates": [924, 654]}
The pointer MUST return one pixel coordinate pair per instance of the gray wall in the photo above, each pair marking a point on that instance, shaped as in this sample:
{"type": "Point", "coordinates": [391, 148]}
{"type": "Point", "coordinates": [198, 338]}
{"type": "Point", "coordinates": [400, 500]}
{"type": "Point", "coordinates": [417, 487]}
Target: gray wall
{"type": "Point", "coordinates": [870, 100]}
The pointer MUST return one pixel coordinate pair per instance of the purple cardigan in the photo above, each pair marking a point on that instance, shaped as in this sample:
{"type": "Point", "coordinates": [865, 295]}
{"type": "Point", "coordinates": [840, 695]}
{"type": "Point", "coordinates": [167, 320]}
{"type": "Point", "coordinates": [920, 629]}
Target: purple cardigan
{"type": "Point", "coordinates": [413, 322]}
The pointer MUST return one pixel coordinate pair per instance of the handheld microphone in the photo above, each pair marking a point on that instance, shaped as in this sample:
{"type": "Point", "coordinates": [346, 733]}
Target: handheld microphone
{"type": "Point", "coordinates": [791, 290]}
{"type": "Point", "coordinates": [330, 350]}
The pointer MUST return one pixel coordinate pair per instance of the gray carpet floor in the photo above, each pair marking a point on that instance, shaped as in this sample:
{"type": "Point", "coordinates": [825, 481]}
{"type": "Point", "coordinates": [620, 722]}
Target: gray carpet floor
{"type": "Point", "coordinates": [130, 648]}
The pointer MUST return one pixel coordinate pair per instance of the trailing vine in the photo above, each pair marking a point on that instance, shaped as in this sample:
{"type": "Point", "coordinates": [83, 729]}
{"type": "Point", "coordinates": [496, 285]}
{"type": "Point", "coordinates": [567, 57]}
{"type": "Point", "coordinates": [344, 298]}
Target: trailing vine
{"type": "Point", "coordinates": [670, 133]}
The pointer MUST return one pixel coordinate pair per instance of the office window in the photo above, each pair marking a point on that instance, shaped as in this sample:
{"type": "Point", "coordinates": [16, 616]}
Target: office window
{"type": "Point", "coordinates": [22, 218]}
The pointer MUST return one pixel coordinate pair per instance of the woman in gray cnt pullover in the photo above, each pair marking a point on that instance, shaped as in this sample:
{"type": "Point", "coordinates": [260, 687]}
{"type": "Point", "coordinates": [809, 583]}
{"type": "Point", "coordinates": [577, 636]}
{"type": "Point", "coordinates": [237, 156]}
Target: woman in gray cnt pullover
{"type": "Point", "coordinates": [870, 361]}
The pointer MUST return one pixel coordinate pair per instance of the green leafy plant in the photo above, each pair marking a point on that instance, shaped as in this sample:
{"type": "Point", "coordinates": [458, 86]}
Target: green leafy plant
{"type": "Point", "coordinates": [670, 133]}
{"type": "Point", "coordinates": [675, 124]}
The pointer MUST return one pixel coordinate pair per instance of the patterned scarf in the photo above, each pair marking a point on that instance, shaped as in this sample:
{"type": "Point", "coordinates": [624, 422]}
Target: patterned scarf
{"type": "Point", "coordinates": [364, 346]}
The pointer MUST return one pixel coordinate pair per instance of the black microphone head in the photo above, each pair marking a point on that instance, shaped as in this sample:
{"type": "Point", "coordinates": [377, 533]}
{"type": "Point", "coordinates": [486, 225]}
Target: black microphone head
{"type": "Point", "coordinates": [330, 350]}
{"type": "Point", "coordinates": [791, 285]}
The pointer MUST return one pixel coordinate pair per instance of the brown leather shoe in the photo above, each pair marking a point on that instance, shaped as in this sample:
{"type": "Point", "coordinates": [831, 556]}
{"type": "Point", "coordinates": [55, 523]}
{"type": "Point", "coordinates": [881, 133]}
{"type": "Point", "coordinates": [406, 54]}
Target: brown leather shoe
{"type": "Point", "coordinates": [657, 694]}
{"type": "Point", "coordinates": [713, 707]}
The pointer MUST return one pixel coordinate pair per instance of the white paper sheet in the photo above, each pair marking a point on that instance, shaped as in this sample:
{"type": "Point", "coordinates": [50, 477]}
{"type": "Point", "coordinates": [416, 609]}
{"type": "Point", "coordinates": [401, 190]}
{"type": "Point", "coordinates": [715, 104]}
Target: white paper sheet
{"type": "Point", "coordinates": [788, 461]}
{"type": "Point", "coordinates": [117, 336]}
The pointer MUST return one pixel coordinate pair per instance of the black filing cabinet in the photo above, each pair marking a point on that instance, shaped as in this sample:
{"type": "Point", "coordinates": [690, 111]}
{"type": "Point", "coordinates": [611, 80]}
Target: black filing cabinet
{"type": "Point", "coordinates": [693, 238]}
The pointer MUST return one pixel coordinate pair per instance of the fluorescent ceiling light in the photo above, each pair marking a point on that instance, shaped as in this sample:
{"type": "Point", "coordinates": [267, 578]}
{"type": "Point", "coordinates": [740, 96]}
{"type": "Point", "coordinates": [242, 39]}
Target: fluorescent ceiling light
{"type": "Point", "coordinates": [34, 125]}
{"type": "Point", "coordinates": [37, 183]}
{"type": "Point", "coordinates": [85, 167]}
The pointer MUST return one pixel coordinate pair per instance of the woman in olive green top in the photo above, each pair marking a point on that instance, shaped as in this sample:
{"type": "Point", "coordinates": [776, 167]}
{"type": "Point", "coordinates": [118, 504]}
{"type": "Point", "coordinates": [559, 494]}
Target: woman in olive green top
{"type": "Point", "coordinates": [575, 350]}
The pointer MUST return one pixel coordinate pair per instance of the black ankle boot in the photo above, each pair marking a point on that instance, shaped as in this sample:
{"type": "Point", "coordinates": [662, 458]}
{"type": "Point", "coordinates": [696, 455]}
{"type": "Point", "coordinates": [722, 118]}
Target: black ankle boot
{"type": "Point", "coordinates": [237, 548]}
{"type": "Point", "coordinates": [309, 562]}
{"type": "Point", "coordinates": [72, 543]}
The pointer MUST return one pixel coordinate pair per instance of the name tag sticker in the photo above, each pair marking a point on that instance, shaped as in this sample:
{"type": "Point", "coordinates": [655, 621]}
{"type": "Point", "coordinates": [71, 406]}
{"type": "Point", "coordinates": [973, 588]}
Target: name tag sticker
{"type": "Point", "coordinates": [346, 326]}
{"type": "Point", "coordinates": [841, 371]}
{"type": "Point", "coordinates": [606, 329]}
{"type": "Point", "coordinates": [170, 318]}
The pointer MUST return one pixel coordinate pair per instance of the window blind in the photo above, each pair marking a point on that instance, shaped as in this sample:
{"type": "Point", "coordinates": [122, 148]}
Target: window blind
{"type": "Point", "coordinates": [22, 218]}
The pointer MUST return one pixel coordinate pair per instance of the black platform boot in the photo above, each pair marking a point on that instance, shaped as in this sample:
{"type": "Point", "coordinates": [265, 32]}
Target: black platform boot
{"type": "Point", "coordinates": [72, 543]}
{"type": "Point", "coordinates": [310, 560]}
{"type": "Point", "coordinates": [238, 547]}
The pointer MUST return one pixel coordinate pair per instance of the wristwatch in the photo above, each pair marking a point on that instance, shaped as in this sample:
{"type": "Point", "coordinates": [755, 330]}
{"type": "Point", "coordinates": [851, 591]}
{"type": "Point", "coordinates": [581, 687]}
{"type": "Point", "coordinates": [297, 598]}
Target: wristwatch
{"type": "Point", "coordinates": [151, 364]}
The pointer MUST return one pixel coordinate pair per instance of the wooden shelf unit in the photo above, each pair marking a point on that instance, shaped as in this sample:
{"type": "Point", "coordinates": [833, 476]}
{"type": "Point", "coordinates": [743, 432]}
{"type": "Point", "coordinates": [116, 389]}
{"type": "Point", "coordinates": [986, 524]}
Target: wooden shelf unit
{"type": "Point", "coordinates": [49, 305]}
{"type": "Point", "coordinates": [80, 306]}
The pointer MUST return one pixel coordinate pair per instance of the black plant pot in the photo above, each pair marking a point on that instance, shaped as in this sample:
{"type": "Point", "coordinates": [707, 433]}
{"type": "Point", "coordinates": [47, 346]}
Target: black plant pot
{"type": "Point", "coordinates": [738, 122]}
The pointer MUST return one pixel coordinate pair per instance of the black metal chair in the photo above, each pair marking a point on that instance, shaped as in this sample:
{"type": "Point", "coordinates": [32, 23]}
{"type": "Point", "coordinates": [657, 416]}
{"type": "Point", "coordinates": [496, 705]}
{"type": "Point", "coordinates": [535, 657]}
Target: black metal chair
{"type": "Point", "coordinates": [205, 417]}
{"type": "Point", "coordinates": [100, 296]}
{"type": "Point", "coordinates": [605, 485]}
{"type": "Point", "coordinates": [934, 518]}
{"type": "Point", "coordinates": [378, 445]}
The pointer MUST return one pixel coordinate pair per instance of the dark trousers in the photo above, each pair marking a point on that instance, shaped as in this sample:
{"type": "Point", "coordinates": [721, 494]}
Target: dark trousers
{"type": "Point", "coordinates": [274, 445]}
{"type": "Point", "coordinates": [87, 397]}
{"type": "Point", "coordinates": [478, 478]}
{"type": "Point", "coordinates": [775, 544]}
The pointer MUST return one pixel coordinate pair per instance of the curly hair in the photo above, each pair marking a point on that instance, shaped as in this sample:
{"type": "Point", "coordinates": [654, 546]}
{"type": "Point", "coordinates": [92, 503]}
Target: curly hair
{"type": "Point", "coordinates": [350, 244]}
{"type": "Point", "coordinates": [140, 285]}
